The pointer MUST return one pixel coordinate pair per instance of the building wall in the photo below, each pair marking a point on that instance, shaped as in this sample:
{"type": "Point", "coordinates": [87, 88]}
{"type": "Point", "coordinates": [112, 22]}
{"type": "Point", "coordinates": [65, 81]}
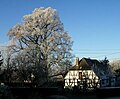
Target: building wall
{"type": "Point", "coordinates": [81, 78]}
{"type": "Point", "coordinates": [107, 81]}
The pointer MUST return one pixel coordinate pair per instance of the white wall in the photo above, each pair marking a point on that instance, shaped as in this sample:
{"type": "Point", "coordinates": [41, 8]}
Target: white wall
{"type": "Point", "coordinates": [73, 77]}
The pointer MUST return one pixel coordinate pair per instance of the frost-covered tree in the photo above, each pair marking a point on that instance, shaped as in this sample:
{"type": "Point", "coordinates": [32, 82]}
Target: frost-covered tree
{"type": "Point", "coordinates": [1, 59]}
{"type": "Point", "coordinates": [42, 40]}
{"type": "Point", "coordinates": [115, 65]}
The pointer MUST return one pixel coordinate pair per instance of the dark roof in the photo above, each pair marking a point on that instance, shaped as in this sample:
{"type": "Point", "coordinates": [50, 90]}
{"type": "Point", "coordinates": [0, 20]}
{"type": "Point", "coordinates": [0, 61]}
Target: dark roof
{"type": "Point", "coordinates": [91, 64]}
{"type": "Point", "coordinates": [85, 64]}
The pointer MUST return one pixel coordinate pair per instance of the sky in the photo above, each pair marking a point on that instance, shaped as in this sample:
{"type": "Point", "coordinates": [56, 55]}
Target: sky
{"type": "Point", "coordinates": [94, 25]}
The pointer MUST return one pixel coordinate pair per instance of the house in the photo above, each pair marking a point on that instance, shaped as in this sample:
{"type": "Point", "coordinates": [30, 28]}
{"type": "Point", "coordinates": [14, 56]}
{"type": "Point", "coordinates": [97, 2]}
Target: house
{"type": "Point", "coordinates": [108, 81]}
{"type": "Point", "coordinates": [82, 74]}
{"type": "Point", "coordinates": [89, 73]}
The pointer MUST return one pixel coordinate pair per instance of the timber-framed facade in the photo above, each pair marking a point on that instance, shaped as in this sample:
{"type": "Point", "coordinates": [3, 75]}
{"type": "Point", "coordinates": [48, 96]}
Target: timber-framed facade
{"type": "Point", "coordinates": [82, 75]}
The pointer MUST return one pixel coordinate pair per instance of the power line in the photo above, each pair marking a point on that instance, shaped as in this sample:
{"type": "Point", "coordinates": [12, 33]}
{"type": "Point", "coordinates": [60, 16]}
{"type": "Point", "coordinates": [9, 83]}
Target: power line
{"type": "Point", "coordinates": [107, 54]}
{"type": "Point", "coordinates": [96, 50]}
{"type": "Point", "coordinates": [114, 59]}
{"type": "Point", "coordinates": [103, 55]}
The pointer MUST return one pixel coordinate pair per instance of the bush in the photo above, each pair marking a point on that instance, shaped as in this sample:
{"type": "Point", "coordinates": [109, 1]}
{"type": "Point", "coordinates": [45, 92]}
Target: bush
{"type": "Point", "coordinates": [5, 92]}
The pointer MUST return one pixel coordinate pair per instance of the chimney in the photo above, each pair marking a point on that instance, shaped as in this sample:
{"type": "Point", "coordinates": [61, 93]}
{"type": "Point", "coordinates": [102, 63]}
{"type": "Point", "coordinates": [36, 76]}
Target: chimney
{"type": "Point", "coordinates": [77, 61]}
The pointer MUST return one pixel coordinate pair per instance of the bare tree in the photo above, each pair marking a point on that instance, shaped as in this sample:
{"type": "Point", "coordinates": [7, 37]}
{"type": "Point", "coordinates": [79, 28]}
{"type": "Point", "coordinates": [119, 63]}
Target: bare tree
{"type": "Point", "coordinates": [42, 39]}
{"type": "Point", "coordinates": [8, 65]}
{"type": "Point", "coordinates": [115, 65]}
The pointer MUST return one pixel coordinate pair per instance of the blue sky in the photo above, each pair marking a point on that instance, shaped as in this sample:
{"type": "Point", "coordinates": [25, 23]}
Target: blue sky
{"type": "Point", "coordinates": [94, 25]}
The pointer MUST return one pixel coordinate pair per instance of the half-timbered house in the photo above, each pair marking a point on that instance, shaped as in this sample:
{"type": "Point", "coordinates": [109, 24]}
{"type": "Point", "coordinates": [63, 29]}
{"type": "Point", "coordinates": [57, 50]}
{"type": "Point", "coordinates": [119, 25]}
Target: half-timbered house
{"type": "Point", "coordinates": [89, 74]}
{"type": "Point", "coordinates": [82, 74]}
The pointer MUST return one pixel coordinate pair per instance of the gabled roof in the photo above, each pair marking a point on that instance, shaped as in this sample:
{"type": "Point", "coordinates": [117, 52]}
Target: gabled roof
{"type": "Point", "coordinates": [91, 64]}
{"type": "Point", "coordinates": [85, 64]}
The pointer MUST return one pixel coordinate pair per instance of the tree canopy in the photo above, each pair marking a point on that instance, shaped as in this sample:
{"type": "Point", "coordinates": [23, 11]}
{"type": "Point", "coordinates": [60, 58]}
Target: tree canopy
{"type": "Point", "coordinates": [40, 42]}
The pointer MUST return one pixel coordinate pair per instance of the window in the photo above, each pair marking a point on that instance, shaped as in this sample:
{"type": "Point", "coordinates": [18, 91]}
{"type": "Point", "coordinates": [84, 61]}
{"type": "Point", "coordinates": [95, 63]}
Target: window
{"type": "Point", "coordinates": [80, 75]}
